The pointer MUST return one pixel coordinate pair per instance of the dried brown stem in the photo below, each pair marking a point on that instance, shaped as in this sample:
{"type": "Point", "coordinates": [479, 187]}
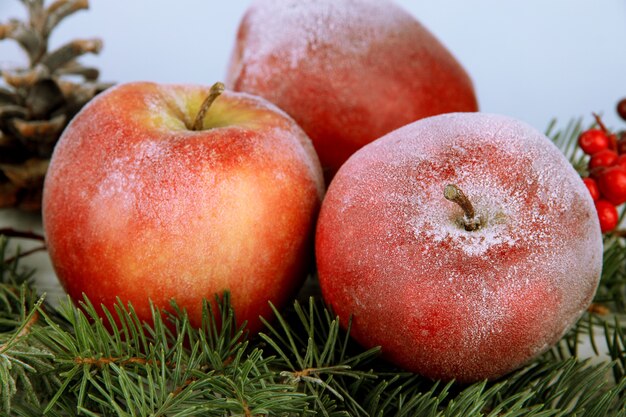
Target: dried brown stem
{"type": "Point", "coordinates": [612, 136]}
{"type": "Point", "coordinates": [304, 372]}
{"type": "Point", "coordinates": [216, 90]}
{"type": "Point", "coordinates": [246, 409]}
{"type": "Point", "coordinates": [600, 123]}
{"type": "Point", "coordinates": [185, 384]}
{"type": "Point", "coordinates": [100, 362]}
{"type": "Point", "coordinates": [453, 193]}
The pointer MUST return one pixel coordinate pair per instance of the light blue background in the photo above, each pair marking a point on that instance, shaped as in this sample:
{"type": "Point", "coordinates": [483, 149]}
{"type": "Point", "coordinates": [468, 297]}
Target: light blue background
{"type": "Point", "coordinates": [530, 59]}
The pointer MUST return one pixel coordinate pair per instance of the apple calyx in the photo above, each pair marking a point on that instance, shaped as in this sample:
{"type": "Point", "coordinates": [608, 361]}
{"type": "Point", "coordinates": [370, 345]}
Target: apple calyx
{"type": "Point", "coordinates": [216, 90]}
{"type": "Point", "coordinates": [470, 221]}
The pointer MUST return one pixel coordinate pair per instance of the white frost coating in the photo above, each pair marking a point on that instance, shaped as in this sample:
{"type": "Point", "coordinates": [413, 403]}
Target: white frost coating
{"type": "Point", "coordinates": [126, 169]}
{"type": "Point", "coordinates": [303, 26]}
{"type": "Point", "coordinates": [529, 271]}
{"type": "Point", "coordinates": [499, 197]}
{"type": "Point", "coordinates": [492, 205]}
{"type": "Point", "coordinates": [123, 178]}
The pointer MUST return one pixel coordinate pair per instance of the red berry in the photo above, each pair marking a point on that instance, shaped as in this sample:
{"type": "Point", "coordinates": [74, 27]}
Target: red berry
{"type": "Point", "coordinates": [613, 145]}
{"type": "Point", "coordinates": [621, 108]}
{"type": "Point", "coordinates": [593, 140]}
{"type": "Point", "coordinates": [612, 185]}
{"type": "Point", "coordinates": [603, 158]}
{"type": "Point", "coordinates": [621, 161]}
{"type": "Point", "coordinates": [592, 186]}
{"type": "Point", "coordinates": [597, 172]}
{"type": "Point", "coordinates": [621, 142]}
{"type": "Point", "coordinates": [607, 215]}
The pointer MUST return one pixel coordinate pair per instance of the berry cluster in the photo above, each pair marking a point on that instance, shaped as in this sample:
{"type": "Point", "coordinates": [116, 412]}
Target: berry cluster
{"type": "Point", "coordinates": [607, 169]}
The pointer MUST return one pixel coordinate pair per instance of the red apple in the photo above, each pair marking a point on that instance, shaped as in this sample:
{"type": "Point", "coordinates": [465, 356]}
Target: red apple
{"type": "Point", "coordinates": [348, 71]}
{"type": "Point", "coordinates": [471, 287]}
{"type": "Point", "coordinates": [139, 205]}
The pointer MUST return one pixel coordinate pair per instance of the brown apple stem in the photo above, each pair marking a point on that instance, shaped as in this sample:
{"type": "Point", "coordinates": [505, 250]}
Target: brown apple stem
{"type": "Point", "coordinates": [216, 90]}
{"type": "Point", "coordinates": [455, 194]}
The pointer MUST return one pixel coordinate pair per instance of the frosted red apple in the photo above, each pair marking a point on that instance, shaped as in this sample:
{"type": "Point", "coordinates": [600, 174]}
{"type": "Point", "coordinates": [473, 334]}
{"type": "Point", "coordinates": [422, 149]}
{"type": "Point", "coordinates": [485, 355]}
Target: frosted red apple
{"type": "Point", "coordinates": [441, 300]}
{"type": "Point", "coordinates": [348, 71]}
{"type": "Point", "coordinates": [137, 205]}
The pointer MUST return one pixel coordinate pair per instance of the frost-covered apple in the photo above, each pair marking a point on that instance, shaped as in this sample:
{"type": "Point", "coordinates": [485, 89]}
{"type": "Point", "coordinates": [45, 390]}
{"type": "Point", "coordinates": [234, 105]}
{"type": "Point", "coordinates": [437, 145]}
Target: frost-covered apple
{"type": "Point", "coordinates": [463, 244]}
{"type": "Point", "coordinates": [144, 200]}
{"type": "Point", "coordinates": [348, 71]}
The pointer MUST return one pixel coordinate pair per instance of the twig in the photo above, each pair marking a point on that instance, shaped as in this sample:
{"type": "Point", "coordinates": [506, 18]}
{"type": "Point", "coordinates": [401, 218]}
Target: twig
{"type": "Point", "coordinates": [22, 333]}
{"type": "Point", "coordinates": [246, 408]}
{"type": "Point", "coordinates": [100, 362]}
{"type": "Point", "coordinates": [9, 232]}
{"type": "Point", "coordinates": [600, 123]}
{"type": "Point", "coordinates": [304, 372]}
{"type": "Point", "coordinates": [25, 253]}
{"type": "Point", "coordinates": [619, 233]}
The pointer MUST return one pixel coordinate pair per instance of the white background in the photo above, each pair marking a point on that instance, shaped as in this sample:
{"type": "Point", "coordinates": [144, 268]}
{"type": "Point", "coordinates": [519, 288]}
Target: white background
{"type": "Point", "coordinates": [530, 59]}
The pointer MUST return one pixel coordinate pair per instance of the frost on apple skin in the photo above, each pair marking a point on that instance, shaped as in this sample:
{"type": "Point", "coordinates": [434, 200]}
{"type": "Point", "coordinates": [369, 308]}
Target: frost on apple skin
{"type": "Point", "coordinates": [307, 26]}
{"type": "Point", "coordinates": [136, 205]}
{"type": "Point", "coordinates": [440, 300]}
{"type": "Point", "coordinates": [348, 71]}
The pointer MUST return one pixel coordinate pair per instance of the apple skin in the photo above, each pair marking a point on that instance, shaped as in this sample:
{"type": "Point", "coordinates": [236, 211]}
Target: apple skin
{"type": "Point", "coordinates": [347, 71]}
{"type": "Point", "coordinates": [138, 206]}
{"type": "Point", "coordinates": [442, 301]}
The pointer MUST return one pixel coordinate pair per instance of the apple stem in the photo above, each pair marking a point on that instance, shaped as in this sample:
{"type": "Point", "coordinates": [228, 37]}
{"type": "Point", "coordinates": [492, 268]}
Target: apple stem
{"type": "Point", "coordinates": [455, 194]}
{"type": "Point", "coordinates": [216, 90]}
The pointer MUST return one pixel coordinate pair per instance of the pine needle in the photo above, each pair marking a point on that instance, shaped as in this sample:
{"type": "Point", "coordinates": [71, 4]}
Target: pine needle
{"type": "Point", "coordinates": [70, 361]}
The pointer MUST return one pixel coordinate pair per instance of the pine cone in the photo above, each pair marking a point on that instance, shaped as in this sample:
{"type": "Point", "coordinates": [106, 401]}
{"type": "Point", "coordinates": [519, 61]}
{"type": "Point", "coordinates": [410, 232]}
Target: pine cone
{"type": "Point", "coordinates": [38, 101]}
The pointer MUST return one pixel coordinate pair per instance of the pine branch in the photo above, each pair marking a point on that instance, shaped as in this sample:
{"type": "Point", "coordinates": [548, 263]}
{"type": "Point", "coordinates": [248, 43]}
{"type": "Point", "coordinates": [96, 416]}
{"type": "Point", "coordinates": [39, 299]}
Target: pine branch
{"type": "Point", "coordinates": [152, 370]}
{"type": "Point", "coordinates": [70, 361]}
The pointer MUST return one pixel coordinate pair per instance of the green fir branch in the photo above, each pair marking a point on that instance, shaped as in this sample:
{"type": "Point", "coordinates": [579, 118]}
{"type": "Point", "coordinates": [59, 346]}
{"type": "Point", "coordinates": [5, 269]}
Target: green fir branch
{"type": "Point", "coordinates": [69, 361]}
